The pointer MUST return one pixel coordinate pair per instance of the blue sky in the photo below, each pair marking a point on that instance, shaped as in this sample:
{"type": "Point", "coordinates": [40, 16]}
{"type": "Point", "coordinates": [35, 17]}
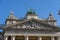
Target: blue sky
{"type": "Point", "coordinates": [20, 7]}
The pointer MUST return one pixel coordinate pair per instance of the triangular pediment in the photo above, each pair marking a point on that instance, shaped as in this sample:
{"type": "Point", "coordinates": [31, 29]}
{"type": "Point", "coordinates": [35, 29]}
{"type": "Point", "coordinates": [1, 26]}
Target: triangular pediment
{"type": "Point", "coordinates": [32, 23]}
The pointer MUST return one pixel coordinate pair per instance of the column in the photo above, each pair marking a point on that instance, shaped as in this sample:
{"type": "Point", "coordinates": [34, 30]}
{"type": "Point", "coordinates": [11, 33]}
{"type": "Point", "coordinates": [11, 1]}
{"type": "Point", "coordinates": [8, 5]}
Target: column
{"type": "Point", "coordinates": [5, 37]}
{"type": "Point", "coordinates": [59, 38]}
{"type": "Point", "coordinates": [26, 38]}
{"type": "Point", "coordinates": [39, 38]}
{"type": "Point", "coordinates": [52, 38]}
{"type": "Point", "coordinates": [13, 37]}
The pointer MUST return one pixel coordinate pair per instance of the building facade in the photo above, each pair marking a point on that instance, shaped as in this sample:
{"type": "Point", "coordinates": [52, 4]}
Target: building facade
{"type": "Point", "coordinates": [31, 27]}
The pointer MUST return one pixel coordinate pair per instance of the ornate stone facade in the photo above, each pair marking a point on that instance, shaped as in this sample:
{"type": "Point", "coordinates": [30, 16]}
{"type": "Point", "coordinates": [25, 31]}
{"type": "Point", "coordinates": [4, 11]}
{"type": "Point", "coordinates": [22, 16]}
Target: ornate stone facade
{"type": "Point", "coordinates": [31, 27]}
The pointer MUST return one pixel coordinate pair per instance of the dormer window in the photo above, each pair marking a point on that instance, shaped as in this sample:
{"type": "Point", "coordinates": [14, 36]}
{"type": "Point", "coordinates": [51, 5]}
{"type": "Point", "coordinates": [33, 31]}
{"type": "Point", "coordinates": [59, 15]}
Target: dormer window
{"type": "Point", "coordinates": [9, 22]}
{"type": "Point", "coordinates": [14, 22]}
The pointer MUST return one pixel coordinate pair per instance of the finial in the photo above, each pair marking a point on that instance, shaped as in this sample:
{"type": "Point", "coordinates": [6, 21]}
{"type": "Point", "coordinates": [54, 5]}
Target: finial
{"type": "Point", "coordinates": [50, 14]}
{"type": "Point", "coordinates": [11, 12]}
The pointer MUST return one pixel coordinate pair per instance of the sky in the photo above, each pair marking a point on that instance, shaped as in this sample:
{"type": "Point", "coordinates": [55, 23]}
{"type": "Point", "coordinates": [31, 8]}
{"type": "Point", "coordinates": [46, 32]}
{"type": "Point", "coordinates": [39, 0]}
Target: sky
{"type": "Point", "coordinates": [20, 7]}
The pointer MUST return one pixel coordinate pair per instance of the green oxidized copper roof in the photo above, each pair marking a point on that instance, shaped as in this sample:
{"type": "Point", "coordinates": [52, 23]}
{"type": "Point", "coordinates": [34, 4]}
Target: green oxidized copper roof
{"type": "Point", "coordinates": [31, 12]}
